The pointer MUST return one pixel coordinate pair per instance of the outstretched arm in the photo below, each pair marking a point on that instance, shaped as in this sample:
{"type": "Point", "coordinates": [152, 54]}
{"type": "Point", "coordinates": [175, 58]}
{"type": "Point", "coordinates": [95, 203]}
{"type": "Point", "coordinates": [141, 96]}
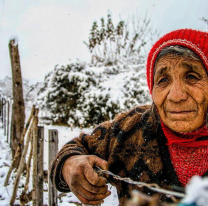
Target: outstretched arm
{"type": "Point", "coordinates": [72, 170]}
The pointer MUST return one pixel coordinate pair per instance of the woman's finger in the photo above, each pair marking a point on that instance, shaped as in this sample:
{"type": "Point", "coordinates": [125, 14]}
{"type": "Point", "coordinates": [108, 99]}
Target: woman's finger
{"type": "Point", "coordinates": [93, 178]}
{"type": "Point", "coordinates": [88, 197]}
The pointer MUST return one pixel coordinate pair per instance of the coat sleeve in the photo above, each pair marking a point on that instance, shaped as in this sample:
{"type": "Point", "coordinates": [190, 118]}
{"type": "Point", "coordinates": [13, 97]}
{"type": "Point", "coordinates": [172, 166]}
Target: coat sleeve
{"type": "Point", "coordinates": [96, 143]}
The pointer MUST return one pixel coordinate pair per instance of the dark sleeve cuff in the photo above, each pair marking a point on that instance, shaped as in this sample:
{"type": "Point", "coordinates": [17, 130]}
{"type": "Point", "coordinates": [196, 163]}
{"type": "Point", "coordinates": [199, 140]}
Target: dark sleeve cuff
{"type": "Point", "coordinates": [56, 172]}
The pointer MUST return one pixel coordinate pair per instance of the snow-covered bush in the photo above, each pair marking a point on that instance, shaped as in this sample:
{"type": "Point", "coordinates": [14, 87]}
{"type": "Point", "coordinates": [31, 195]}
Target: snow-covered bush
{"type": "Point", "coordinates": [81, 94]}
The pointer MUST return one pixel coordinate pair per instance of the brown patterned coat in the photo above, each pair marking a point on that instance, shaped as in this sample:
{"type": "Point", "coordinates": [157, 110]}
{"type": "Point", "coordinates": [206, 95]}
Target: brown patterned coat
{"type": "Point", "coordinates": [133, 145]}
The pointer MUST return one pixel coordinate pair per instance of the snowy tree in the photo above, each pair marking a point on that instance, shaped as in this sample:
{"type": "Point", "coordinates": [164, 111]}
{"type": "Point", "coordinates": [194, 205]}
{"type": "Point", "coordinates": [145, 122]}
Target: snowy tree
{"type": "Point", "coordinates": [205, 21]}
{"type": "Point", "coordinates": [29, 91]}
{"type": "Point", "coordinates": [6, 87]}
{"type": "Point", "coordinates": [123, 43]}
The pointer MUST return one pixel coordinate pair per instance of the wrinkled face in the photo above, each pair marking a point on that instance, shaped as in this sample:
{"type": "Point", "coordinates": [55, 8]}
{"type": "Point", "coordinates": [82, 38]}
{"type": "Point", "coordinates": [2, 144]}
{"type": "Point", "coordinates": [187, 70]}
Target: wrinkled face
{"type": "Point", "coordinates": [180, 92]}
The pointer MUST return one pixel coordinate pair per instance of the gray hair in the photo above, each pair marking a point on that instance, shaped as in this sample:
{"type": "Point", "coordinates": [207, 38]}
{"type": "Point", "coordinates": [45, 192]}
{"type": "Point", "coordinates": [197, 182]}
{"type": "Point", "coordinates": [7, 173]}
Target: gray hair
{"type": "Point", "coordinates": [178, 51]}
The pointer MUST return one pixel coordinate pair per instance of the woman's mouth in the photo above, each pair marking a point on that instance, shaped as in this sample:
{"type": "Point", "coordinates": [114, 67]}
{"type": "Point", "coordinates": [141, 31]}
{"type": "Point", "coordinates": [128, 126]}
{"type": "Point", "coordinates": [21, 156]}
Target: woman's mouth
{"type": "Point", "coordinates": [180, 114]}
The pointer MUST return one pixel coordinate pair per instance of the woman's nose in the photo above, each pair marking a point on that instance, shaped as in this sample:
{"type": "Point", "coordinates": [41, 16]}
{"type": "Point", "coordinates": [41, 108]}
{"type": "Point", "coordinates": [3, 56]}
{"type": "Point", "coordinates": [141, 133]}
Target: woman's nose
{"type": "Point", "coordinates": [177, 92]}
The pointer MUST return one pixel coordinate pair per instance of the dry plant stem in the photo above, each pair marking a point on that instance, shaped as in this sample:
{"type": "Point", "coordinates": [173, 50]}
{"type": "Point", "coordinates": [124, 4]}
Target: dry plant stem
{"type": "Point", "coordinates": [22, 161]}
{"type": "Point", "coordinates": [18, 152]}
{"type": "Point", "coordinates": [28, 166]}
{"type": "Point", "coordinates": [12, 167]}
{"type": "Point", "coordinates": [25, 199]}
{"type": "Point", "coordinates": [27, 125]}
{"type": "Point", "coordinates": [61, 195]}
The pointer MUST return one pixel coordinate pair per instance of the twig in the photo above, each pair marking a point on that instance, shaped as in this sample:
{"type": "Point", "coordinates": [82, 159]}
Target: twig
{"type": "Point", "coordinates": [28, 166]}
{"type": "Point", "coordinates": [5, 164]}
{"type": "Point", "coordinates": [18, 152]}
{"type": "Point", "coordinates": [21, 166]}
{"type": "Point", "coordinates": [12, 166]}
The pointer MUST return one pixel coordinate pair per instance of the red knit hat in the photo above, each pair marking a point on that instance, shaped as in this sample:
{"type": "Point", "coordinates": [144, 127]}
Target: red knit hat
{"type": "Point", "coordinates": [195, 40]}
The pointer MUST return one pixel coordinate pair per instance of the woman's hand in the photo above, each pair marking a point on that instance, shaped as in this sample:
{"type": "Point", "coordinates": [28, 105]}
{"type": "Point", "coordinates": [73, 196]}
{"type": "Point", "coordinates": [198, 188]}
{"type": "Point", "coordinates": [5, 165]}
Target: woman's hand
{"type": "Point", "coordinates": [83, 181]}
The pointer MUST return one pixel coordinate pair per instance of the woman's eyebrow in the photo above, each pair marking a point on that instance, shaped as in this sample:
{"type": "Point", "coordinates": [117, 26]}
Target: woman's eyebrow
{"type": "Point", "coordinates": [191, 66]}
{"type": "Point", "coordinates": [161, 71]}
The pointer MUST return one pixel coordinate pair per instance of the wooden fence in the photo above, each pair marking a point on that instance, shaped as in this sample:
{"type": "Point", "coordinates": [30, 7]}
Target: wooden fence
{"type": "Point", "coordinates": [33, 138]}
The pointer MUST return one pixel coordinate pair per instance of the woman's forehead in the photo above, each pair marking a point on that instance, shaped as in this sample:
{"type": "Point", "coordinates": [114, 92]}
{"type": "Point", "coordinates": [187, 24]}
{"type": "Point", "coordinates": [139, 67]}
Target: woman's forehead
{"type": "Point", "coordinates": [169, 61]}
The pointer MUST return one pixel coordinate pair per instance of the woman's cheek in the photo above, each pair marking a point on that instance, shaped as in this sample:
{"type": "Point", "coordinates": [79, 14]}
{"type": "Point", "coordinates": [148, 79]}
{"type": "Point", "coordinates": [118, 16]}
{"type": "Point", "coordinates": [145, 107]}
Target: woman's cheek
{"type": "Point", "coordinates": [158, 96]}
{"type": "Point", "coordinates": [199, 94]}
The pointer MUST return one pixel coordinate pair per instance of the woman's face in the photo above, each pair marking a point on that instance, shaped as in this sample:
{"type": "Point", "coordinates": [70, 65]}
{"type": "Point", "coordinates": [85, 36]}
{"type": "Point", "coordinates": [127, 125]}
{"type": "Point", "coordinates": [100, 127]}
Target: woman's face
{"type": "Point", "coordinates": [180, 92]}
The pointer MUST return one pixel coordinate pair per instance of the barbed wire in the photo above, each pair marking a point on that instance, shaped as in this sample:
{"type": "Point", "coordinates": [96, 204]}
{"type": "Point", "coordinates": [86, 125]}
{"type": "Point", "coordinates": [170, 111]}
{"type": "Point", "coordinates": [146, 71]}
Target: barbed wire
{"type": "Point", "coordinates": [152, 186]}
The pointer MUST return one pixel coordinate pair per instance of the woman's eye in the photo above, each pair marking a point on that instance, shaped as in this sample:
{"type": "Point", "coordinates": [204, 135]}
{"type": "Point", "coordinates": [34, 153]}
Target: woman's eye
{"type": "Point", "coordinates": [163, 80]}
{"type": "Point", "coordinates": [191, 77]}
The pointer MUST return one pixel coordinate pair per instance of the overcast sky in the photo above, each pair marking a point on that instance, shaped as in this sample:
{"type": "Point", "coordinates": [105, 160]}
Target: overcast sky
{"type": "Point", "coordinates": [51, 32]}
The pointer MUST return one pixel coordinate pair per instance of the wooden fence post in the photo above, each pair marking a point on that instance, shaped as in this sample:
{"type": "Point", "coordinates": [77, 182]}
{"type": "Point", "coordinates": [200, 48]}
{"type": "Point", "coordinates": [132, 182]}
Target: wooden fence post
{"type": "Point", "coordinates": [52, 151]}
{"type": "Point", "coordinates": [5, 120]}
{"type": "Point", "coordinates": [2, 113]}
{"type": "Point", "coordinates": [18, 119]}
{"type": "Point", "coordinates": [38, 167]}
{"type": "Point", "coordinates": [8, 114]}
{"type": "Point", "coordinates": [10, 128]}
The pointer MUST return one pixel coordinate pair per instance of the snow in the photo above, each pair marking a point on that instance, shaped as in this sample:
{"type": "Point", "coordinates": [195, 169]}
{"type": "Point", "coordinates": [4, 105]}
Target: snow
{"type": "Point", "coordinates": [15, 38]}
{"type": "Point", "coordinates": [65, 134]}
{"type": "Point", "coordinates": [197, 191]}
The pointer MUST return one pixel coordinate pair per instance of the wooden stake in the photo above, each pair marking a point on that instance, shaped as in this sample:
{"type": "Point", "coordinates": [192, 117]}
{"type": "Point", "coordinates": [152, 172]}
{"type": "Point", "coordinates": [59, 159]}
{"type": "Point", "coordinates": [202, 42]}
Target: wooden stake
{"type": "Point", "coordinates": [35, 162]}
{"type": "Point", "coordinates": [8, 119]}
{"type": "Point", "coordinates": [38, 175]}
{"type": "Point", "coordinates": [18, 108]}
{"type": "Point", "coordinates": [2, 112]}
{"type": "Point", "coordinates": [5, 119]}
{"type": "Point", "coordinates": [52, 151]}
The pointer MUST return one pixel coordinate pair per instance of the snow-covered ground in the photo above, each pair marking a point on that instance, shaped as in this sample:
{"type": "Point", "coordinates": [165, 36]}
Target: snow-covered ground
{"type": "Point", "coordinates": [65, 134]}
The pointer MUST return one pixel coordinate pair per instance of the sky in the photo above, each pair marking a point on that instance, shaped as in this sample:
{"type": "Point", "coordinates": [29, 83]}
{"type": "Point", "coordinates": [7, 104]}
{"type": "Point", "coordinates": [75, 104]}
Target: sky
{"type": "Point", "coordinates": [52, 32]}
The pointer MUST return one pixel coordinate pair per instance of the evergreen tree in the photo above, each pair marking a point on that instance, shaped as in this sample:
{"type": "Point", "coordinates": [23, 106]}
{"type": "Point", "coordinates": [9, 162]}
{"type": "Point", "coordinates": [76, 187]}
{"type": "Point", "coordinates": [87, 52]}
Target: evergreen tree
{"type": "Point", "coordinates": [120, 44]}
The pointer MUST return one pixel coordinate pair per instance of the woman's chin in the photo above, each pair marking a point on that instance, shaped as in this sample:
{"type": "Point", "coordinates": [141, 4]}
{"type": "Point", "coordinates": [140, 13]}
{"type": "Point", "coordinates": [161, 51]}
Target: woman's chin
{"type": "Point", "coordinates": [182, 125]}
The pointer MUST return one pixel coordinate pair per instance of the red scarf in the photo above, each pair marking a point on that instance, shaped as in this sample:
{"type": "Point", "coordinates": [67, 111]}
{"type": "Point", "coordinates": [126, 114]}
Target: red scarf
{"type": "Point", "coordinates": [189, 154]}
{"type": "Point", "coordinates": [186, 139]}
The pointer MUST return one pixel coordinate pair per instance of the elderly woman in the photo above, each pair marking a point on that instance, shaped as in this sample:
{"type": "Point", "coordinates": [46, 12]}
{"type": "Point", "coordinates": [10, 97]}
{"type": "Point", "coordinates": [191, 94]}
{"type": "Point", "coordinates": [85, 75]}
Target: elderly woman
{"type": "Point", "coordinates": [165, 143]}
